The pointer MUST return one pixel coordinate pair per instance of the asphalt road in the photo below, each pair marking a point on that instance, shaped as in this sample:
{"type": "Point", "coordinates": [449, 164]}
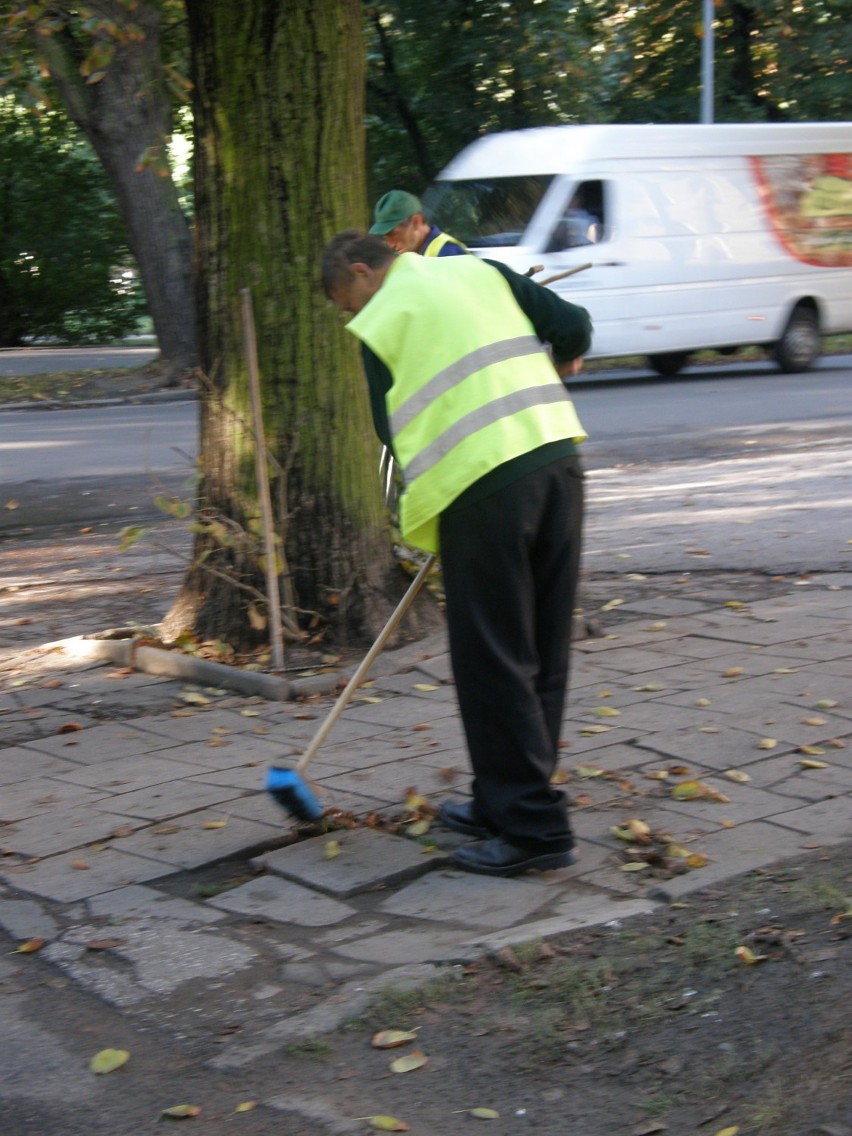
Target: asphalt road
{"type": "Point", "coordinates": [735, 467]}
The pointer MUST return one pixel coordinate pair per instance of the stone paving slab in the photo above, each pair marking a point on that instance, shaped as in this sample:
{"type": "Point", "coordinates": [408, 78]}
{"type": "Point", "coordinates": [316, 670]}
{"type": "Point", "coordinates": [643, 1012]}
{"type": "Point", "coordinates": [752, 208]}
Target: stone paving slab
{"type": "Point", "coordinates": [185, 843]}
{"type": "Point", "coordinates": [58, 878]}
{"type": "Point", "coordinates": [101, 743]}
{"type": "Point", "coordinates": [366, 859]}
{"type": "Point", "coordinates": [283, 901]}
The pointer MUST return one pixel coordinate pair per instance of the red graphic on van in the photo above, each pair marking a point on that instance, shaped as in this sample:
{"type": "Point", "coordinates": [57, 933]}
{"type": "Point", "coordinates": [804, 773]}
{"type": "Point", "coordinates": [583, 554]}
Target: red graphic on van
{"type": "Point", "coordinates": [808, 200]}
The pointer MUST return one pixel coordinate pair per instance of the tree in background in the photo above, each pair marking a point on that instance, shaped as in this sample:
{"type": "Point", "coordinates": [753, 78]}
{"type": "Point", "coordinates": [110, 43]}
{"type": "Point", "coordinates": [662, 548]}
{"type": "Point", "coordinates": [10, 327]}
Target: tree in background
{"type": "Point", "coordinates": [106, 60]}
{"type": "Point", "coordinates": [65, 269]}
{"type": "Point", "coordinates": [278, 92]}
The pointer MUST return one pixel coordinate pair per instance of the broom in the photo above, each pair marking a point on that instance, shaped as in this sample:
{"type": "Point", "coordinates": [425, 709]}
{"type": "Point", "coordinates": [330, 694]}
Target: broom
{"type": "Point", "coordinates": [288, 786]}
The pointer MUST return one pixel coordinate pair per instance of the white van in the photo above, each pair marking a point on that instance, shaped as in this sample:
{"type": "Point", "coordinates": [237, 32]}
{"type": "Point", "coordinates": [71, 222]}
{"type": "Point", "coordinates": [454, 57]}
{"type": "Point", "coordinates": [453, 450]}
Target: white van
{"type": "Point", "coordinates": [697, 236]}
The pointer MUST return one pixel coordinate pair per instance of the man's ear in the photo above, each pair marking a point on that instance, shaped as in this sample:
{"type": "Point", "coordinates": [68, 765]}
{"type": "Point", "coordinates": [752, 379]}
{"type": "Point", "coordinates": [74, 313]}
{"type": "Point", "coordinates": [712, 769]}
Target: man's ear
{"type": "Point", "coordinates": [358, 268]}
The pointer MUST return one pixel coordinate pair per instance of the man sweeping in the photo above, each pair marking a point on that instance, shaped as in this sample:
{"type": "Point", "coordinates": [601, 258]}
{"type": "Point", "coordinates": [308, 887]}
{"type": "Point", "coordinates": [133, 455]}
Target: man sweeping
{"type": "Point", "coordinates": [475, 411]}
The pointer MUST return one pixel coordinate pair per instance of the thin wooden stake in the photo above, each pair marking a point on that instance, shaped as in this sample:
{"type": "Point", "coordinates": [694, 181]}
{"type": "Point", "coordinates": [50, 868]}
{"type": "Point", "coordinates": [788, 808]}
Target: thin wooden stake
{"type": "Point", "coordinates": [272, 593]}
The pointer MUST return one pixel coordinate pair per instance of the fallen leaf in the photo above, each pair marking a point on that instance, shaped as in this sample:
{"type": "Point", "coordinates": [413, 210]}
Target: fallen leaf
{"type": "Point", "coordinates": [746, 955]}
{"type": "Point", "coordinates": [425, 686]}
{"type": "Point", "coordinates": [418, 828]}
{"type": "Point", "coordinates": [811, 751]}
{"type": "Point", "coordinates": [736, 775]}
{"type": "Point", "coordinates": [385, 1123]}
{"type": "Point", "coordinates": [696, 860]}
{"type": "Point", "coordinates": [587, 731]}
{"type": "Point", "coordinates": [559, 777]}
{"type": "Point", "coordinates": [767, 743]}
{"type": "Point", "coordinates": [483, 1113]}
{"type": "Point", "coordinates": [697, 790]}
{"type": "Point", "coordinates": [181, 1111]}
{"type": "Point", "coordinates": [246, 1106]}
{"type": "Point", "coordinates": [108, 1060]}
{"type": "Point", "coordinates": [194, 698]}
{"type": "Point", "coordinates": [409, 1061]}
{"type": "Point", "coordinates": [656, 774]}
{"type": "Point", "coordinates": [703, 702]}
{"type": "Point", "coordinates": [588, 771]}
{"type": "Point", "coordinates": [636, 866]}
{"type": "Point", "coordinates": [80, 865]}
{"type": "Point", "coordinates": [825, 704]}
{"type": "Point", "coordinates": [732, 1131]}
{"type": "Point", "coordinates": [814, 721]}
{"type": "Point", "coordinates": [29, 947]}
{"type": "Point", "coordinates": [650, 687]}
{"type": "Point", "coordinates": [732, 672]}
{"type": "Point", "coordinates": [390, 1039]}
{"type": "Point", "coordinates": [811, 763]}
{"type": "Point", "coordinates": [330, 849]}
{"type": "Point", "coordinates": [69, 728]}
{"type": "Point", "coordinates": [214, 824]}
{"type": "Point", "coordinates": [610, 604]}
{"type": "Point", "coordinates": [607, 712]}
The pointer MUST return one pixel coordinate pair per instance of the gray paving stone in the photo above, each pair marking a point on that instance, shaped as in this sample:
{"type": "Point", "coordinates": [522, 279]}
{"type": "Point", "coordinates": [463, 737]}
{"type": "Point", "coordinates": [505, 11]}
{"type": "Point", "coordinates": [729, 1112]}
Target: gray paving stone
{"type": "Point", "coordinates": [138, 901]}
{"type": "Point", "coordinates": [468, 900]}
{"type": "Point", "coordinates": [61, 830]}
{"type": "Point", "coordinates": [126, 774]}
{"type": "Point", "coordinates": [101, 743]}
{"type": "Point", "coordinates": [729, 748]}
{"type": "Point", "coordinates": [573, 915]}
{"type": "Point", "coordinates": [400, 710]}
{"type": "Point", "coordinates": [827, 820]}
{"type": "Point", "coordinates": [25, 919]}
{"type": "Point", "coordinates": [186, 843]}
{"type": "Point", "coordinates": [745, 802]}
{"type": "Point", "coordinates": [426, 944]}
{"type": "Point", "coordinates": [198, 725]}
{"type": "Point", "coordinates": [367, 859]}
{"type": "Point", "coordinates": [283, 902]}
{"type": "Point", "coordinates": [39, 795]}
{"type": "Point", "coordinates": [168, 799]}
{"type": "Point", "coordinates": [57, 878]}
{"type": "Point", "coordinates": [227, 751]}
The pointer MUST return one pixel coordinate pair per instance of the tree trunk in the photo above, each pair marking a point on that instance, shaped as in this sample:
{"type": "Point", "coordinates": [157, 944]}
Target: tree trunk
{"type": "Point", "coordinates": [279, 169]}
{"type": "Point", "coordinates": [126, 117]}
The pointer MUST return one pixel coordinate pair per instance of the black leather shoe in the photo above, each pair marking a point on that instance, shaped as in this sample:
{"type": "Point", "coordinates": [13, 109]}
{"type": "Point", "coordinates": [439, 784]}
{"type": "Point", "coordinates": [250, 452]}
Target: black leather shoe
{"type": "Point", "coordinates": [461, 816]}
{"type": "Point", "coordinates": [497, 857]}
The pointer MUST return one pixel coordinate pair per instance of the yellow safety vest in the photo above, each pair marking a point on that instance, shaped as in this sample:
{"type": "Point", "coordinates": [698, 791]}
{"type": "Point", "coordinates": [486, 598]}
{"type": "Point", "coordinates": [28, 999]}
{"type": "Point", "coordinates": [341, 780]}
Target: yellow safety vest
{"type": "Point", "coordinates": [472, 385]}
{"type": "Point", "coordinates": [434, 247]}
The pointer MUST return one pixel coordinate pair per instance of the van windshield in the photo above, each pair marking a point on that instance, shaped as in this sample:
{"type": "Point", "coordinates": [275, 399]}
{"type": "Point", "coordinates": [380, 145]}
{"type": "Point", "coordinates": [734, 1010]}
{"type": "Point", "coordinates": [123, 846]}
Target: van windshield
{"type": "Point", "coordinates": [486, 212]}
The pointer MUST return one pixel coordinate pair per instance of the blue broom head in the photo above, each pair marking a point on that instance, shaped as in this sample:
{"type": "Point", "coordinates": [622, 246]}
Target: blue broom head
{"type": "Point", "coordinates": [288, 788]}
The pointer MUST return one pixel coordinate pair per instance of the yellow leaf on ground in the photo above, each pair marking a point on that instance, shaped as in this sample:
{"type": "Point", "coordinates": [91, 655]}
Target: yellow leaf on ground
{"type": "Point", "coordinates": [108, 1059]}
{"type": "Point", "coordinates": [811, 763]}
{"type": "Point", "coordinates": [587, 731]}
{"type": "Point", "coordinates": [607, 712]}
{"type": "Point", "coordinates": [181, 1111]}
{"type": "Point", "coordinates": [425, 686]}
{"type": "Point", "coordinates": [416, 1059]}
{"type": "Point", "coordinates": [246, 1106]}
{"type": "Point", "coordinates": [390, 1039]}
{"type": "Point", "coordinates": [732, 1131]}
{"type": "Point", "coordinates": [330, 849]}
{"type": "Point", "coordinates": [484, 1113]}
{"type": "Point", "coordinates": [696, 860]}
{"type": "Point", "coordinates": [811, 751]}
{"type": "Point", "coordinates": [656, 775]}
{"type": "Point", "coordinates": [732, 672]}
{"type": "Point", "coordinates": [703, 702]}
{"type": "Point", "coordinates": [418, 828]}
{"type": "Point", "coordinates": [414, 801]}
{"type": "Point", "coordinates": [736, 775]}
{"type": "Point", "coordinates": [386, 1123]}
{"type": "Point", "coordinates": [636, 866]}
{"type": "Point", "coordinates": [746, 955]}
{"type": "Point", "coordinates": [214, 824]}
{"type": "Point", "coordinates": [767, 743]}
{"type": "Point", "coordinates": [559, 777]}
{"type": "Point", "coordinates": [650, 687]}
{"type": "Point", "coordinates": [610, 604]}
{"type": "Point", "coordinates": [588, 771]}
{"type": "Point", "coordinates": [825, 704]}
{"type": "Point", "coordinates": [814, 721]}
{"type": "Point", "coordinates": [29, 947]}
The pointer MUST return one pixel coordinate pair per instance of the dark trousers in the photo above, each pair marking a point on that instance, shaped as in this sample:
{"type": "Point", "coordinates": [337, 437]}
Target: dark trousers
{"type": "Point", "coordinates": [510, 566]}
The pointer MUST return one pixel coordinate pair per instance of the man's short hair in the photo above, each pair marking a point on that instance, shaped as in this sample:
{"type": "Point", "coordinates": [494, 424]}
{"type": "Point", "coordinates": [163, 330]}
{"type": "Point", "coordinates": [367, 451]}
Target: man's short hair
{"type": "Point", "coordinates": [352, 246]}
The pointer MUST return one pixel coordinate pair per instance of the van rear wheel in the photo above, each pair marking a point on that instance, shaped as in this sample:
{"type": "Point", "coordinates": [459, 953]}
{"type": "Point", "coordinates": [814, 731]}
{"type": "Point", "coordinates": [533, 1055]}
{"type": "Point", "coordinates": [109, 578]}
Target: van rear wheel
{"type": "Point", "coordinates": [799, 345]}
{"type": "Point", "coordinates": [669, 363]}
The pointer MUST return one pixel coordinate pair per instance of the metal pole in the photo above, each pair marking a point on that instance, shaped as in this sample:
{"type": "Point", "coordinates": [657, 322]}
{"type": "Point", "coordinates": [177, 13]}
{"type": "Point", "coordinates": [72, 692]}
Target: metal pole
{"type": "Point", "coordinates": [707, 62]}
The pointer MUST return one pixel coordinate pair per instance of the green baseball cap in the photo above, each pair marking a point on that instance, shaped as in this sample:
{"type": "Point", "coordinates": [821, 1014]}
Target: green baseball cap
{"type": "Point", "coordinates": [392, 209]}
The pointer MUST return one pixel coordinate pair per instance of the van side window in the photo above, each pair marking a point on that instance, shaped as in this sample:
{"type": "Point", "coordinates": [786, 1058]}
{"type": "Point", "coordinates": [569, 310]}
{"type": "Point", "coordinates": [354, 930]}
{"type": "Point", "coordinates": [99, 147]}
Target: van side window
{"type": "Point", "coordinates": [583, 221]}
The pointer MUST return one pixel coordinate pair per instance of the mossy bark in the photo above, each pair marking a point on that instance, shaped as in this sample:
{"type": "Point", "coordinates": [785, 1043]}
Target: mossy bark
{"type": "Point", "coordinates": [279, 170]}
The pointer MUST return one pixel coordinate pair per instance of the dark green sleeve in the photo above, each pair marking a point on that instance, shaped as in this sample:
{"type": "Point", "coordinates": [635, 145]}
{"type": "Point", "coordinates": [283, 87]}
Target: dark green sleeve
{"type": "Point", "coordinates": [379, 382]}
{"type": "Point", "coordinates": [566, 326]}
